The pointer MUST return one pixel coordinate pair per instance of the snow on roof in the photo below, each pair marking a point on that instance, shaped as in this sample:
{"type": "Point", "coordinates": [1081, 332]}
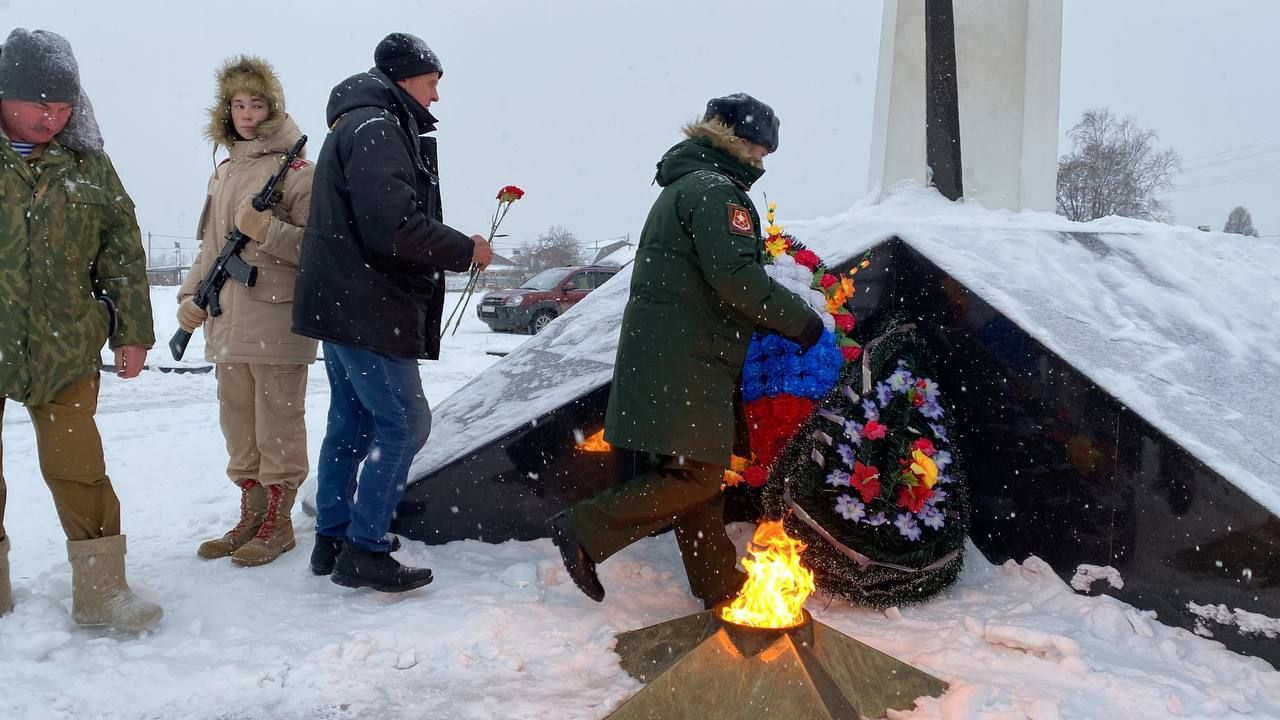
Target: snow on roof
{"type": "Point", "coordinates": [1180, 325]}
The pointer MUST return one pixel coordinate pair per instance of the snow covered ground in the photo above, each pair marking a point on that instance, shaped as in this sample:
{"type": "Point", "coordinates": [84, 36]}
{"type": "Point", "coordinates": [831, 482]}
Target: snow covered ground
{"type": "Point", "coordinates": [501, 632]}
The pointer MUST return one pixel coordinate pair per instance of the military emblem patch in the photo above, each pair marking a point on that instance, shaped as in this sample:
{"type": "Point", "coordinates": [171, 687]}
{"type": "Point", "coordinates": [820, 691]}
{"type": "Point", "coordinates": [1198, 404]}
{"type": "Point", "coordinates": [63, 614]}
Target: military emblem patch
{"type": "Point", "coordinates": [740, 221]}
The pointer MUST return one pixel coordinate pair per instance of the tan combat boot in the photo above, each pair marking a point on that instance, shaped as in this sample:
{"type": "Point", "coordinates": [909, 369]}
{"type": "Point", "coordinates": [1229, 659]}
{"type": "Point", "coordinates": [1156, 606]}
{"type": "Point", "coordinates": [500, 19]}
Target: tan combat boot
{"type": "Point", "coordinates": [99, 593]}
{"type": "Point", "coordinates": [275, 535]}
{"type": "Point", "coordinates": [253, 505]}
{"type": "Point", "coordinates": [6, 596]}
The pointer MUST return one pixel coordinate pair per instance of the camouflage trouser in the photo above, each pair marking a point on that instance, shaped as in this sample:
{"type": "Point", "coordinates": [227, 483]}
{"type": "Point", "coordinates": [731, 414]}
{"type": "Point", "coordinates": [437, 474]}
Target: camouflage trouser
{"type": "Point", "coordinates": [71, 461]}
{"type": "Point", "coordinates": [261, 408]}
{"type": "Point", "coordinates": [684, 496]}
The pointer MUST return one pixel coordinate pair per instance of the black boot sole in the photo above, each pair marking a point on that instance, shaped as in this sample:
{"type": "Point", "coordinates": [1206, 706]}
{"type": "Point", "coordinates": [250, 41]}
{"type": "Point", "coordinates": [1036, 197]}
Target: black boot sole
{"type": "Point", "coordinates": [355, 582]}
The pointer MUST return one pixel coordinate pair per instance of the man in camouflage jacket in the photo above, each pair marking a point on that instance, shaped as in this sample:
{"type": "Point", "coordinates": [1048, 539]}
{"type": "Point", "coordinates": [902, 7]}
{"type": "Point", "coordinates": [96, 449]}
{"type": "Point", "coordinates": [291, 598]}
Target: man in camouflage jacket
{"type": "Point", "coordinates": [72, 276]}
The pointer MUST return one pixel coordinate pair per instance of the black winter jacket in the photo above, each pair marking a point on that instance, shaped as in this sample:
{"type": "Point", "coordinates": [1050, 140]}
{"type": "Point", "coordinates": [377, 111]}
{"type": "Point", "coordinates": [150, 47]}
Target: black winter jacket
{"type": "Point", "coordinates": [376, 245]}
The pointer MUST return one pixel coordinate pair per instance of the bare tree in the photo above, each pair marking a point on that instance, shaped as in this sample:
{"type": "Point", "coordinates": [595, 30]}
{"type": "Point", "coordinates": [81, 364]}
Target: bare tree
{"type": "Point", "coordinates": [1240, 222]}
{"type": "Point", "coordinates": [1114, 168]}
{"type": "Point", "coordinates": [555, 247]}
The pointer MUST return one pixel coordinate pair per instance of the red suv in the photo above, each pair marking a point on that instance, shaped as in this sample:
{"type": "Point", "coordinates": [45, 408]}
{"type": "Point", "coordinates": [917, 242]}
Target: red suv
{"type": "Point", "coordinates": [541, 298]}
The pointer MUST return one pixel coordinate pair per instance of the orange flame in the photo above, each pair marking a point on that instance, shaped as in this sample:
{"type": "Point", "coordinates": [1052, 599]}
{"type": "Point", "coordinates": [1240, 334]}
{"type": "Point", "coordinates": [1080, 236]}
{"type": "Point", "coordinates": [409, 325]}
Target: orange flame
{"type": "Point", "coordinates": [777, 584]}
{"type": "Point", "coordinates": [595, 443]}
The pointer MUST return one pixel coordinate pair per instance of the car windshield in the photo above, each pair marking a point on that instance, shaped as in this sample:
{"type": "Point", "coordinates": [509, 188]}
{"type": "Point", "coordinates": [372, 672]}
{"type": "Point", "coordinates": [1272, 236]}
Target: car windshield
{"type": "Point", "coordinates": [545, 280]}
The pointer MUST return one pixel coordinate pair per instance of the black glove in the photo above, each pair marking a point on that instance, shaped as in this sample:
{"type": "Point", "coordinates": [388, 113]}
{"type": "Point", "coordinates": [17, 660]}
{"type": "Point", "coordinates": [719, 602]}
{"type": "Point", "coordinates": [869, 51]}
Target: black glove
{"type": "Point", "coordinates": [811, 334]}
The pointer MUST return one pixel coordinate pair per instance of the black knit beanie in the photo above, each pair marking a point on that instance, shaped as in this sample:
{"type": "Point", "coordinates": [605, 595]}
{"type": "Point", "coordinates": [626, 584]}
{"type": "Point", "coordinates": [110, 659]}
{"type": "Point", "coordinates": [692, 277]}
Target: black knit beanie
{"type": "Point", "coordinates": [401, 56]}
{"type": "Point", "coordinates": [38, 66]}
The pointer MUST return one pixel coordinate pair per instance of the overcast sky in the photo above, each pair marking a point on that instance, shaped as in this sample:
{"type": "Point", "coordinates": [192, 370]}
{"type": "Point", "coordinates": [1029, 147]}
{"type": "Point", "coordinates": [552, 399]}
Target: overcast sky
{"type": "Point", "coordinates": [575, 100]}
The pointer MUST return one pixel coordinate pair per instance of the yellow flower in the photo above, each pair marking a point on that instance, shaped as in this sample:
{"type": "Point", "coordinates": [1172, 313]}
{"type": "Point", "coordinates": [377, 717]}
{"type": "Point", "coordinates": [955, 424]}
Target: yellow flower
{"type": "Point", "coordinates": [775, 245]}
{"type": "Point", "coordinates": [922, 467]}
{"type": "Point", "coordinates": [773, 207]}
{"type": "Point", "coordinates": [773, 230]}
{"type": "Point", "coordinates": [732, 479]}
{"type": "Point", "coordinates": [834, 303]}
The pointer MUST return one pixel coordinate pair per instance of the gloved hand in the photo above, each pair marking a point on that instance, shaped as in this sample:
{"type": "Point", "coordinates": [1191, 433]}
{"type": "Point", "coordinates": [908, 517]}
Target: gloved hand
{"type": "Point", "coordinates": [252, 223]}
{"type": "Point", "coordinates": [811, 334]}
{"type": "Point", "coordinates": [190, 316]}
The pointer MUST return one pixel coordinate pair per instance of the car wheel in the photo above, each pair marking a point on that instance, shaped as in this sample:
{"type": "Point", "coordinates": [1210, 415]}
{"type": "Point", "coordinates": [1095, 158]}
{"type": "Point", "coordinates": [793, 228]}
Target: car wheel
{"type": "Point", "coordinates": [540, 320]}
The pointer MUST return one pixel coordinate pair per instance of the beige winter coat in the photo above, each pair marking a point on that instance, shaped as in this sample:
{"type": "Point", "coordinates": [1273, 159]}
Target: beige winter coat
{"type": "Point", "coordinates": [255, 321]}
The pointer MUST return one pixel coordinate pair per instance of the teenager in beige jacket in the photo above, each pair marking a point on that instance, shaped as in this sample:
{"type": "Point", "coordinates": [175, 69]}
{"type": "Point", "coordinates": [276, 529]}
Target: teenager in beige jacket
{"type": "Point", "coordinates": [261, 365]}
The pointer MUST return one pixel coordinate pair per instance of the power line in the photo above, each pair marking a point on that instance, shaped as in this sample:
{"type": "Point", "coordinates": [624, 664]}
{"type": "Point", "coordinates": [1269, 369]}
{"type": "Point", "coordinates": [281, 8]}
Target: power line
{"type": "Point", "coordinates": [1228, 161]}
{"type": "Point", "coordinates": [1233, 150]}
{"type": "Point", "coordinates": [1232, 177]}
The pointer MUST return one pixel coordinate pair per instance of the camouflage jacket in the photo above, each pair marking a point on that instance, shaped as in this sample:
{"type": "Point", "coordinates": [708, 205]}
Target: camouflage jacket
{"type": "Point", "coordinates": [72, 270]}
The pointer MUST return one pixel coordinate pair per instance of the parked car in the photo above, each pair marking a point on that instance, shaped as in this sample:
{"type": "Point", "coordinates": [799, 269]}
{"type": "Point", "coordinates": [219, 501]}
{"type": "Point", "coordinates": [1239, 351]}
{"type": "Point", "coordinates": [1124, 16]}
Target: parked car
{"type": "Point", "coordinates": [542, 298]}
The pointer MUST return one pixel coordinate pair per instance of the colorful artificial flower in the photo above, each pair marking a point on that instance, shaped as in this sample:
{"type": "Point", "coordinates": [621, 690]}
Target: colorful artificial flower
{"type": "Point", "coordinates": [509, 194]}
{"type": "Point", "coordinates": [873, 430]}
{"type": "Point", "coordinates": [924, 445]}
{"type": "Point", "coordinates": [845, 322]}
{"type": "Point", "coordinates": [808, 259]}
{"type": "Point", "coordinates": [866, 480]}
{"type": "Point", "coordinates": [913, 497]}
{"type": "Point", "coordinates": [755, 476]}
{"type": "Point", "coordinates": [828, 280]}
{"type": "Point", "coordinates": [924, 468]}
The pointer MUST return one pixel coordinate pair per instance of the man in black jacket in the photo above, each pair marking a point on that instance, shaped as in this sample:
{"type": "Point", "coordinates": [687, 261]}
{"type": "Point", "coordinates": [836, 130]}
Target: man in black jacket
{"type": "Point", "coordinates": [371, 287]}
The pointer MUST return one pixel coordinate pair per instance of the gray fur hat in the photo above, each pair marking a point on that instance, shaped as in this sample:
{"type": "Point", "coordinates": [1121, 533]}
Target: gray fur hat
{"type": "Point", "coordinates": [38, 66]}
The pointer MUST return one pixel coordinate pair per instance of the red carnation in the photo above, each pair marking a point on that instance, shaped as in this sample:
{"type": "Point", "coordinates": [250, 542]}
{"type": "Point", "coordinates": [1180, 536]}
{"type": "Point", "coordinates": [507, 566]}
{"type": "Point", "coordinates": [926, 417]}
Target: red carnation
{"type": "Point", "coordinates": [874, 430]}
{"type": "Point", "coordinates": [808, 259]}
{"type": "Point", "coordinates": [914, 498]}
{"type": "Point", "coordinates": [755, 476]}
{"type": "Point", "coordinates": [917, 399]}
{"type": "Point", "coordinates": [866, 480]}
{"type": "Point", "coordinates": [851, 352]}
{"type": "Point", "coordinates": [925, 445]}
{"type": "Point", "coordinates": [510, 193]}
{"type": "Point", "coordinates": [828, 280]}
{"type": "Point", "coordinates": [844, 321]}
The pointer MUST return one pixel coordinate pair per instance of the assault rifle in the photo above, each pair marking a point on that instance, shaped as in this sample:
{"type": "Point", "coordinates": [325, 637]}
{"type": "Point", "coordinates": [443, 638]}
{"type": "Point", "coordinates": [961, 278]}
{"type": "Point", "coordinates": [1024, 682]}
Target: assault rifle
{"type": "Point", "coordinates": [228, 263]}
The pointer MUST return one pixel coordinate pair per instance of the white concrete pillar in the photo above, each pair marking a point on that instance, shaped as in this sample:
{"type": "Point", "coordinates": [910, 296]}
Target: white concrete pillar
{"type": "Point", "coordinates": [1008, 66]}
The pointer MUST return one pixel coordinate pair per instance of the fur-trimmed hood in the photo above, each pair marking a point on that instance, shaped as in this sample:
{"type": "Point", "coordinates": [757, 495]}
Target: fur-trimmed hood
{"type": "Point", "coordinates": [244, 73]}
{"type": "Point", "coordinates": [721, 136]}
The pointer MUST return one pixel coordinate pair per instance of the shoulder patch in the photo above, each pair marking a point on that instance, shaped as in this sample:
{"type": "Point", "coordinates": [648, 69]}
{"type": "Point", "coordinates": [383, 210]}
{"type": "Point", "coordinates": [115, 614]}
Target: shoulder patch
{"type": "Point", "coordinates": [298, 164]}
{"type": "Point", "coordinates": [740, 221]}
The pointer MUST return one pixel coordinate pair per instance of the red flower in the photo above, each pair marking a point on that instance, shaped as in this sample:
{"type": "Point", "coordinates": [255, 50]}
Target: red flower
{"type": "Point", "coordinates": [917, 399]}
{"type": "Point", "coordinates": [851, 352]}
{"type": "Point", "coordinates": [873, 430]}
{"type": "Point", "coordinates": [828, 280]}
{"type": "Point", "coordinates": [755, 476]}
{"type": "Point", "coordinates": [844, 321]}
{"type": "Point", "coordinates": [866, 480]}
{"type": "Point", "coordinates": [914, 498]}
{"type": "Point", "coordinates": [808, 259]}
{"type": "Point", "coordinates": [510, 193]}
{"type": "Point", "coordinates": [772, 422]}
{"type": "Point", "coordinates": [925, 445]}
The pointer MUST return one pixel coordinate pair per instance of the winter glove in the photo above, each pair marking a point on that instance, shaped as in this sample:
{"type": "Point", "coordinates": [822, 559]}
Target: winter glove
{"type": "Point", "coordinates": [811, 334]}
{"type": "Point", "coordinates": [190, 316]}
{"type": "Point", "coordinates": [252, 223]}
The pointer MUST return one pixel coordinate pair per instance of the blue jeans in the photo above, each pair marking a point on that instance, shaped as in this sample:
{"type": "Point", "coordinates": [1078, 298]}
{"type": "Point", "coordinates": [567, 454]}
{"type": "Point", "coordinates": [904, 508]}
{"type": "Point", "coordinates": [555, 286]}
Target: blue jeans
{"type": "Point", "coordinates": [377, 415]}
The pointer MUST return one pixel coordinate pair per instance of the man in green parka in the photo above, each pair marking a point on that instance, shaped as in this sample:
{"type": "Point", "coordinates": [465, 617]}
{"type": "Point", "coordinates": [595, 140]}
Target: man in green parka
{"type": "Point", "coordinates": [698, 290]}
{"type": "Point", "coordinates": [72, 277]}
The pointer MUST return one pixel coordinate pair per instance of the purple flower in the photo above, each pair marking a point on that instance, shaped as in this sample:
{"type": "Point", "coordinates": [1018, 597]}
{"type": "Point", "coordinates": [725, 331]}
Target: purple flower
{"type": "Point", "coordinates": [838, 478]}
{"type": "Point", "coordinates": [901, 380]}
{"type": "Point", "coordinates": [884, 394]}
{"type": "Point", "coordinates": [846, 454]}
{"type": "Point", "coordinates": [870, 410]}
{"type": "Point", "coordinates": [939, 495]}
{"type": "Point", "coordinates": [850, 508]}
{"type": "Point", "coordinates": [940, 432]}
{"type": "Point", "coordinates": [907, 527]}
{"type": "Point", "coordinates": [853, 431]}
{"type": "Point", "coordinates": [942, 458]}
{"type": "Point", "coordinates": [876, 520]}
{"type": "Point", "coordinates": [931, 410]}
{"type": "Point", "coordinates": [932, 518]}
{"type": "Point", "coordinates": [930, 389]}
{"type": "Point", "coordinates": [944, 479]}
